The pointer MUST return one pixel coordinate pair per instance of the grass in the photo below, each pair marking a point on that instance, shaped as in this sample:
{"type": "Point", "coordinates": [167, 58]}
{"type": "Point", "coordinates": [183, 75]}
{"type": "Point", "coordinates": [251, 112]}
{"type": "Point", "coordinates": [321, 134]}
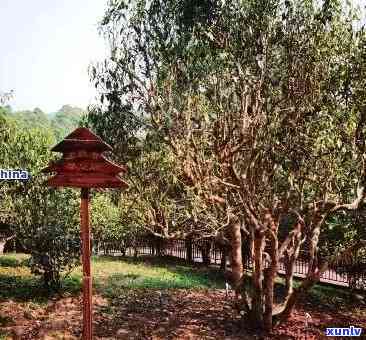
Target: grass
{"type": "Point", "coordinates": [141, 289]}
{"type": "Point", "coordinates": [112, 276]}
{"type": "Point", "coordinates": [327, 295]}
{"type": "Point", "coordinates": [16, 280]}
{"type": "Point", "coordinates": [13, 260]}
{"type": "Point", "coordinates": [4, 335]}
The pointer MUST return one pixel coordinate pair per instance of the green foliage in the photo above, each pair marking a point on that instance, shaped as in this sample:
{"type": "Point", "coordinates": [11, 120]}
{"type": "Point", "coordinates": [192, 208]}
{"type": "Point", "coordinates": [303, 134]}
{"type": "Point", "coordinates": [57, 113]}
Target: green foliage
{"type": "Point", "coordinates": [340, 232]}
{"type": "Point", "coordinates": [118, 127]}
{"type": "Point", "coordinates": [202, 71]}
{"type": "Point", "coordinates": [47, 224]}
{"type": "Point", "coordinates": [22, 148]}
{"type": "Point", "coordinates": [262, 104]}
{"type": "Point", "coordinates": [59, 123]}
{"type": "Point", "coordinates": [34, 119]}
{"type": "Point", "coordinates": [5, 111]}
{"type": "Point", "coordinates": [44, 220]}
{"type": "Point", "coordinates": [66, 120]}
{"type": "Point", "coordinates": [105, 220]}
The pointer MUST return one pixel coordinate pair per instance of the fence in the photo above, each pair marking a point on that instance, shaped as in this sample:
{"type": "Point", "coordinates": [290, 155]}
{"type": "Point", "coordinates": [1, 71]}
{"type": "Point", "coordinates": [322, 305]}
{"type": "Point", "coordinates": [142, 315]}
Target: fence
{"type": "Point", "coordinates": [178, 249]}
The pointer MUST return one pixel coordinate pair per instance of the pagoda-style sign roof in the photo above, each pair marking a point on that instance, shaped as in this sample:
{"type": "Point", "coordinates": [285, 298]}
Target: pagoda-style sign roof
{"type": "Point", "coordinates": [82, 139]}
{"type": "Point", "coordinates": [83, 164]}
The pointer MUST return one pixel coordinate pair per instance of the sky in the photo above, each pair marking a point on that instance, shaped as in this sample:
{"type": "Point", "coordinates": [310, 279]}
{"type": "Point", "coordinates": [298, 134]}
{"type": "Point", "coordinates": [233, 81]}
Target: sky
{"type": "Point", "coordinates": [46, 47]}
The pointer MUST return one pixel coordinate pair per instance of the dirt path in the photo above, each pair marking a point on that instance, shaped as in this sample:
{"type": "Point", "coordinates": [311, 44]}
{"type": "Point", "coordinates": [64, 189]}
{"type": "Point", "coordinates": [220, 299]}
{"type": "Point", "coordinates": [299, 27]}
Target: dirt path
{"type": "Point", "coordinates": [147, 314]}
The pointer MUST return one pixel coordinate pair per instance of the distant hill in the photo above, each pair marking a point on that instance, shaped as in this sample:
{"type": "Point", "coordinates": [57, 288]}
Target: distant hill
{"type": "Point", "coordinates": [28, 118]}
{"type": "Point", "coordinates": [65, 120]}
{"type": "Point", "coordinates": [61, 122]}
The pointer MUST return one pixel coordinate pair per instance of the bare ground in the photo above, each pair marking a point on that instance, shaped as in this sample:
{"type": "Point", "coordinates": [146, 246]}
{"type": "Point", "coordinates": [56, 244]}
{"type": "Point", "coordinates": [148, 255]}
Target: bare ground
{"type": "Point", "coordinates": [176, 314]}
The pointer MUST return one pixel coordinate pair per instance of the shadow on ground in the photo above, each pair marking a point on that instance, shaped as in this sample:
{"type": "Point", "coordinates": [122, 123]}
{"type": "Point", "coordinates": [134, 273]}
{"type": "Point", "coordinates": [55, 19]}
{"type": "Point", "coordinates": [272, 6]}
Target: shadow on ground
{"type": "Point", "coordinates": [24, 289]}
{"type": "Point", "coordinates": [152, 298]}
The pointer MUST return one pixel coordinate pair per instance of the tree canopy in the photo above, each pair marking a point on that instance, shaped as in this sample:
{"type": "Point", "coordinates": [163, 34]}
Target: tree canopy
{"type": "Point", "coordinates": [262, 107]}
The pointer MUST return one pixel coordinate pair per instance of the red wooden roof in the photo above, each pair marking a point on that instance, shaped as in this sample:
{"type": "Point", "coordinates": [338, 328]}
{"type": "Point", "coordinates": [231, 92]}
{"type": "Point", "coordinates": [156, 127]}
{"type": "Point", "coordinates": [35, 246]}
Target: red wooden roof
{"type": "Point", "coordinates": [83, 165]}
{"type": "Point", "coordinates": [82, 139]}
{"type": "Point", "coordinates": [90, 181]}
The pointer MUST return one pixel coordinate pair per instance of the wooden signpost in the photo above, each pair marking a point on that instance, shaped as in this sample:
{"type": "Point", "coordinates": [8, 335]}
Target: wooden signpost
{"type": "Point", "coordinates": [84, 166]}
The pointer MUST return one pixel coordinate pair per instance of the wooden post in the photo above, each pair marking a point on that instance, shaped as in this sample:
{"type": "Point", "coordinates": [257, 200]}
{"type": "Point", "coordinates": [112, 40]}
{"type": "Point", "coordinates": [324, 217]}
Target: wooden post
{"type": "Point", "coordinates": [83, 166]}
{"type": "Point", "coordinates": [87, 280]}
